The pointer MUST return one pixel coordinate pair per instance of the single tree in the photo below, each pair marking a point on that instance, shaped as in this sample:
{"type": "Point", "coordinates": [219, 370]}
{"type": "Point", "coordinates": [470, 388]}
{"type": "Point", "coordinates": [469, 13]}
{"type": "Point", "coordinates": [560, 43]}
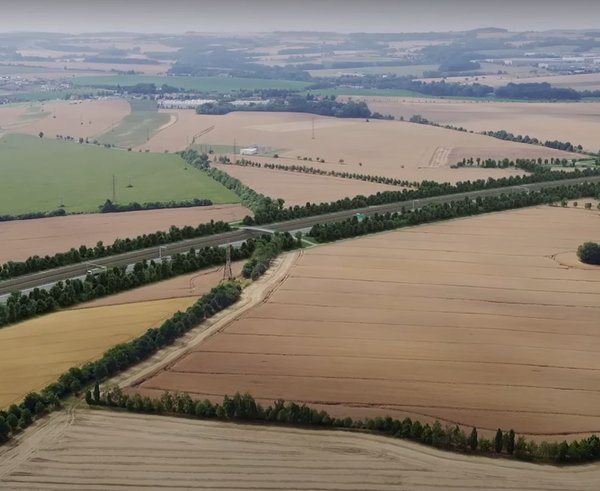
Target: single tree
{"type": "Point", "coordinates": [473, 439]}
{"type": "Point", "coordinates": [509, 442]}
{"type": "Point", "coordinates": [88, 397]}
{"type": "Point", "coordinates": [41, 134]}
{"type": "Point", "coordinates": [97, 393]}
{"type": "Point", "coordinates": [498, 443]}
{"type": "Point", "coordinates": [13, 422]}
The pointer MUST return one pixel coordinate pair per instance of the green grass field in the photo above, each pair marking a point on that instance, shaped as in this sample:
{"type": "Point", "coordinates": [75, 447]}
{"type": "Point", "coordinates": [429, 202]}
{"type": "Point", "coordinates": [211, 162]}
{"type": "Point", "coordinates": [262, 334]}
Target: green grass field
{"type": "Point", "coordinates": [137, 127]}
{"type": "Point", "coordinates": [37, 174]}
{"type": "Point", "coordinates": [220, 85]}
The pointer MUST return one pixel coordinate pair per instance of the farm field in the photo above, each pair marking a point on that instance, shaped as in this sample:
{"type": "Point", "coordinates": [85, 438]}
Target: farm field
{"type": "Point", "coordinates": [84, 119]}
{"type": "Point", "coordinates": [298, 189]}
{"type": "Point", "coordinates": [189, 285]}
{"type": "Point", "coordinates": [39, 350]}
{"type": "Point", "coordinates": [104, 450]}
{"type": "Point", "coordinates": [575, 122]}
{"type": "Point", "coordinates": [486, 321]}
{"type": "Point", "coordinates": [387, 148]}
{"type": "Point", "coordinates": [81, 177]}
{"type": "Point", "coordinates": [205, 84]}
{"type": "Point", "coordinates": [401, 71]}
{"type": "Point", "coordinates": [137, 127]}
{"type": "Point", "coordinates": [584, 81]}
{"type": "Point", "coordinates": [24, 238]}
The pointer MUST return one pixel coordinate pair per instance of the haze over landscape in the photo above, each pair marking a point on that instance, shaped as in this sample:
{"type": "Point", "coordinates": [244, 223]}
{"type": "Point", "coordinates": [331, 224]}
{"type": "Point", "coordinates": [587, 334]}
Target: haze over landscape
{"type": "Point", "coordinates": [336, 244]}
{"type": "Point", "coordinates": [311, 15]}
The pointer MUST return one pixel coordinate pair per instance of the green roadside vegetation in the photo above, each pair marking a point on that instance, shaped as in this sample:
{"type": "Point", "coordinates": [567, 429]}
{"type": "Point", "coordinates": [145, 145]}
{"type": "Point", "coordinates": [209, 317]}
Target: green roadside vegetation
{"type": "Point", "coordinates": [41, 174]}
{"type": "Point", "coordinates": [137, 127]}
{"type": "Point", "coordinates": [221, 85]}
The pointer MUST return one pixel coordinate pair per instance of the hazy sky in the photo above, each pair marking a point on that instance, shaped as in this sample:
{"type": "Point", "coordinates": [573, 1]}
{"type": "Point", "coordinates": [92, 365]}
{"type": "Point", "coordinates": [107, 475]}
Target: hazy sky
{"type": "Point", "coordinates": [269, 15]}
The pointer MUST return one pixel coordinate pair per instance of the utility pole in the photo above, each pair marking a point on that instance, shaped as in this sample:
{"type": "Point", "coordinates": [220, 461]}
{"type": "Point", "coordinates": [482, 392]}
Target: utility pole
{"type": "Point", "coordinates": [114, 188]}
{"type": "Point", "coordinates": [227, 273]}
{"type": "Point", "coordinates": [234, 149]}
{"type": "Point", "coordinates": [313, 128]}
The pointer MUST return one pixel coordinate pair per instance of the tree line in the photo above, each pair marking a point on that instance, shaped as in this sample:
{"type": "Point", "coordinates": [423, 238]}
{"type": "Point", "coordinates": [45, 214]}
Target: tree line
{"type": "Point", "coordinates": [117, 359]}
{"type": "Point", "coordinates": [110, 207]}
{"type": "Point", "coordinates": [268, 210]}
{"type": "Point", "coordinates": [19, 306]}
{"type": "Point", "coordinates": [33, 264]}
{"type": "Point", "coordinates": [125, 355]}
{"type": "Point", "coordinates": [559, 145]}
{"type": "Point", "coordinates": [353, 227]}
{"type": "Point", "coordinates": [426, 189]}
{"type": "Point", "coordinates": [243, 407]}
{"type": "Point", "coordinates": [323, 172]}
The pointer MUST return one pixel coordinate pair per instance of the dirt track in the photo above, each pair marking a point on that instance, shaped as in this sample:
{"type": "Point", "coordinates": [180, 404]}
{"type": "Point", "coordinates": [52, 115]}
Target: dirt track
{"type": "Point", "coordinates": [471, 321]}
{"type": "Point", "coordinates": [99, 450]}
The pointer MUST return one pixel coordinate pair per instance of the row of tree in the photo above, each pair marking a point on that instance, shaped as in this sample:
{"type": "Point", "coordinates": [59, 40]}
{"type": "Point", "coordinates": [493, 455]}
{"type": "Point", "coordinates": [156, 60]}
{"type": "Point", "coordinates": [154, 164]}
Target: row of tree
{"type": "Point", "coordinates": [354, 227]}
{"type": "Point", "coordinates": [426, 189]}
{"type": "Point", "coordinates": [323, 172]}
{"type": "Point", "coordinates": [110, 207]}
{"type": "Point", "coordinates": [117, 359]}
{"type": "Point", "coordinates": [83, 253]}
{"type": "Point", "coordinates": [539, 166]}
{"type": "Point", "coordinates": [243, 407]}
{"type": "Point", "coordinates": [60, 212]}
{"type": "Point", "coordinates": [125, 355]}
{"type": "Point", "coordinates": [506, 135]}
{"type": "Point", "coordinates": [19, 306]}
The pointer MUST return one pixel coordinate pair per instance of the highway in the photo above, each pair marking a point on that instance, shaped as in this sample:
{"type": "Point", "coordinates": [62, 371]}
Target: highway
{"type": "Point", "coordinates": [48, 277]}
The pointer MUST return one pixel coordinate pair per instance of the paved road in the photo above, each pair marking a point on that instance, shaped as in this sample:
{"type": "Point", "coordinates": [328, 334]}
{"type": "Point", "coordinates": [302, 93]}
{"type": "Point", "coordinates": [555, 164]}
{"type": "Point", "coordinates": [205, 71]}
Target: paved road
{"type": "Point", "coordinates": [54, 275]}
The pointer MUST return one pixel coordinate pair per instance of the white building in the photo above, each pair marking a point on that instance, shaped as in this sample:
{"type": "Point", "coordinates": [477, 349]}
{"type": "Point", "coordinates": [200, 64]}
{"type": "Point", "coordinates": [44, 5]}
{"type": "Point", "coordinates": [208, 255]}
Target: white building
{"type": "Point", "coordinates": [249, 151]}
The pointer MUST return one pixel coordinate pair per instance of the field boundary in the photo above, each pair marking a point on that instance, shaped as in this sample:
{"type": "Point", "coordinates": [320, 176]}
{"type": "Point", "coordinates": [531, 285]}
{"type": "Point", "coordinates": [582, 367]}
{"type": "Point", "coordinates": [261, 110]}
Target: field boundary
{"type": "Point", "coordinates": [258, 292]}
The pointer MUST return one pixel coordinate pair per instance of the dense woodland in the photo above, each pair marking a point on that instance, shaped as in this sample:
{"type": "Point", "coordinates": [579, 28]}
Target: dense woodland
{"type": "Point", "coordinates": [589, 253]}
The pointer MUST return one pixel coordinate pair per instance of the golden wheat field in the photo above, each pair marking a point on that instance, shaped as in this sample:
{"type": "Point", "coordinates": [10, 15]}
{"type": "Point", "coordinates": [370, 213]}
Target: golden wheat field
{"type": "Point", "coordinates": [486, 321]}
{"type": "Point", "coordinates": [389, 148]}
{"type": "Point", "coordinates": [36, 352]}
{"type": "Point", "coordinates": [577, 122]}
{"type": "Point", "coordinates": [116, 451]}
{"type": "Point", "coordinates": [78, 119]}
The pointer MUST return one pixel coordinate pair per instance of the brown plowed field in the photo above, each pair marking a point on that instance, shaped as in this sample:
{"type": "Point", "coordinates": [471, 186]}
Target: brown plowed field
{"type": "Point", "coordinates": [472, 321]}
{"type": "Point", "coordinates": [388, 148]}
{"type": "Point", "coordinates": [578, 123]}
{"type": "Point", "coordinates": [117, 451]}
{"type": "Point", "coordinates": [298, 189]}
{"type": "Point", "coordinates": [23, 238]}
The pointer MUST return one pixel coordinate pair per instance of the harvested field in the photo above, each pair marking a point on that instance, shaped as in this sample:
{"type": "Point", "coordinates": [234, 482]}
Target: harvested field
{"type": "Point", "coordinates": [583, 81]}
{"type": "Point", "coordinates": [189, 285]}
{"type": "Point", "coordinates": [84, 119]}
{"type": "Point", "coordinates": [389, 148]}
{"type": "Point", "coordinates": [578, 123]}
{"type": "Point", "coordinates": [471, 321]}
{"type": "Point", "coordinates": [297, 189]}
{"type": "Point", "coordinates": [23, 238]}
{"type": "Point", "coordinates": [103, 450]}
{"type": "Point", "coordinates": [38, 351]}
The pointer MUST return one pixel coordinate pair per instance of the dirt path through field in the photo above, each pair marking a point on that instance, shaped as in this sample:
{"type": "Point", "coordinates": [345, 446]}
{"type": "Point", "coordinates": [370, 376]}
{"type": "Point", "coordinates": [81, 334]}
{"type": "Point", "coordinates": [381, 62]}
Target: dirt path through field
{"type": "Point", "coordinates": [258, 292]}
